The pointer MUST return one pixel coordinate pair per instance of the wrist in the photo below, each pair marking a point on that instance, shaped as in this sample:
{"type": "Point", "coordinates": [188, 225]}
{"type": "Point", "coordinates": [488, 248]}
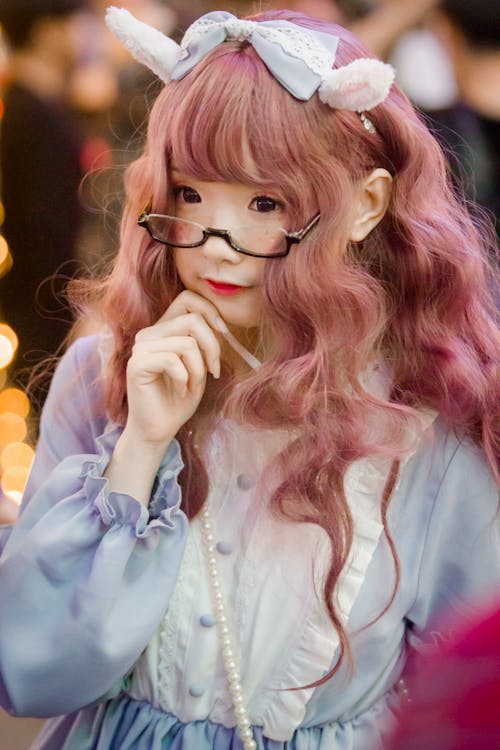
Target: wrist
{"type": "Point", "coordinates": [133, 466]}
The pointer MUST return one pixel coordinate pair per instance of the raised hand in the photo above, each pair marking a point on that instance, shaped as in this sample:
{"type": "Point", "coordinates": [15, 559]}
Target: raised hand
{"type": "Point", "coordinates": [166, 377]}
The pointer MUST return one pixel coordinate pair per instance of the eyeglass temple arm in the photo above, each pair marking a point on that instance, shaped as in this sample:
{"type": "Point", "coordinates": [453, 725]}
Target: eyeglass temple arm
{"type": "Point", "coordinates": [302, 232]}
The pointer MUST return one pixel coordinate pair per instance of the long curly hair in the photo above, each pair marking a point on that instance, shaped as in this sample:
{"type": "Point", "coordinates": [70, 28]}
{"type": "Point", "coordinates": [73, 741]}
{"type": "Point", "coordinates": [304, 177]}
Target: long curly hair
{"type": "Point", "coordinates": [417, 292]}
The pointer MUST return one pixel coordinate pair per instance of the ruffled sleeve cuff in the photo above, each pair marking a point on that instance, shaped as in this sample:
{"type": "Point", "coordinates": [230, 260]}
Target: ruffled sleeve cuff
{"type": "Point", "coordinates": [122, 509]}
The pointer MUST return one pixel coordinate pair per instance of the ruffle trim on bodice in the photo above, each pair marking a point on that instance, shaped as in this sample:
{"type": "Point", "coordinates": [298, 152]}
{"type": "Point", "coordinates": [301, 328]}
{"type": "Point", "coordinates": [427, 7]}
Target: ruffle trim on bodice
{"type": "Point", "coordinates": [319, 643]}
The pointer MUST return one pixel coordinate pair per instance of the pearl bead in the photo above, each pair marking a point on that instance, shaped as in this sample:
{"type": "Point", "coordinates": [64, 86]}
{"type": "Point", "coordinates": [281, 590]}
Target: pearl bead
{"type": "Point", "coordinates": [225, 637]}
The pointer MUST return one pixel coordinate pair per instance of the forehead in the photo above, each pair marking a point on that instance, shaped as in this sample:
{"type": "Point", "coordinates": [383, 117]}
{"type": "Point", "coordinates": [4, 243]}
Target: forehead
{"type": "Point", "coordinates": [213, 184]}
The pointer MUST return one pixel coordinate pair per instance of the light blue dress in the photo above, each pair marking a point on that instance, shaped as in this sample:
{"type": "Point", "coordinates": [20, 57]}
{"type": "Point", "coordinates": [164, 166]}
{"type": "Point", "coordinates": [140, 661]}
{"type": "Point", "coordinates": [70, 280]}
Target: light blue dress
{"type": "Point", "coordinates": [101, 600]}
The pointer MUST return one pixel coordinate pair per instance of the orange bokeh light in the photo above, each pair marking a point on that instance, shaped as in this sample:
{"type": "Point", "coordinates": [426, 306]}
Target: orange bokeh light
{"type": "Point", "coordinates": [4, 250]}
{"type": "Point", "coordinates": [12, 428]}
{"type": "Point", "coordinates": [9, 334]}
{"type": "Point", "coordinates": [16, 454]}
{"type": "Point", "coordinates": [14, 479]}
{"type": "Point", "coordinates": [6, 351]}
{"type": "Point", "coordinates": [15, 401]}
{"type": "Point", "coordinates": [8, 344]}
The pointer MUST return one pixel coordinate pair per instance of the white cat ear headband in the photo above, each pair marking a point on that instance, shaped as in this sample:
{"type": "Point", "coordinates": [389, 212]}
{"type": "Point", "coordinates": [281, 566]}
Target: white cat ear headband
{"type": "Point", "coordinates": [300, 59]}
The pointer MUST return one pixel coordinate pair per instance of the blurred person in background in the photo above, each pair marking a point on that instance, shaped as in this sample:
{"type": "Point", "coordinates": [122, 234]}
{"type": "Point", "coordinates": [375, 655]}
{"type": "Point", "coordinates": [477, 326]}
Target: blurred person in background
{"type": "Point", "coordinates": [447, 59]}
{"type": "Point", "coordinates": [470, 127]}
{"type": "Point", "coordinates": [40, 168]}
{"type": "Point", "coordinates": [327, 10]}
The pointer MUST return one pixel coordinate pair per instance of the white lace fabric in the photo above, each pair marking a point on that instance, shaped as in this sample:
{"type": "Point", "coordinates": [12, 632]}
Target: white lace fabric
{"type": "Point", "coordinates": [293, 40]}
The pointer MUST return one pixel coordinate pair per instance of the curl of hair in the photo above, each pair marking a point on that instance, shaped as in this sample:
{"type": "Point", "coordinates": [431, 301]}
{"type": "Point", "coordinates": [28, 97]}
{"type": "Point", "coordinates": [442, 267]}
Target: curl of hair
{"type": "Point", "coordinates": [416, 292]}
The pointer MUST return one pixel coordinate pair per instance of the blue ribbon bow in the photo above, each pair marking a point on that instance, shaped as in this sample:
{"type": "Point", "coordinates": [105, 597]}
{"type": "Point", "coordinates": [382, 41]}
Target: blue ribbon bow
{"type": "Point", "coordinates": [278, 44]}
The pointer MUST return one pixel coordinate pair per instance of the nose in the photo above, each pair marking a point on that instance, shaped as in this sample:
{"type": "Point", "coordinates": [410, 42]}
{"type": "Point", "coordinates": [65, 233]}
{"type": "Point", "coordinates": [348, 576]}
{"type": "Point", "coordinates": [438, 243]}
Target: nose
{"type": "Point", "coordinates": [219, 250]}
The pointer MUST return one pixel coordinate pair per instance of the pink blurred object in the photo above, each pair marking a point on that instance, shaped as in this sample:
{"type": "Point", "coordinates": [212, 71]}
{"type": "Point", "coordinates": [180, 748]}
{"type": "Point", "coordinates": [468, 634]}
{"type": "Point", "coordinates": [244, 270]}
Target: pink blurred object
{"type": "Point", "coordinates": [455, 699]}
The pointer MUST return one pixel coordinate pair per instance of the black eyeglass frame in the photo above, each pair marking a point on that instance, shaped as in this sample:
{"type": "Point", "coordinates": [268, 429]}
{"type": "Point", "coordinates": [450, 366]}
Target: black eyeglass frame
{"type": "Point", "coordinates": [292, 238]}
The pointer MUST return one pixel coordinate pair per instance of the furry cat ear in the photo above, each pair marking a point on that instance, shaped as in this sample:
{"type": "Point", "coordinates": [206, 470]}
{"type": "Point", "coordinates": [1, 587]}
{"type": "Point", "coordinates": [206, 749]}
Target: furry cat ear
{"type": "Point", "coordinates": [357, 86]}
{"type": "Point", "coordinates": [146, 44]}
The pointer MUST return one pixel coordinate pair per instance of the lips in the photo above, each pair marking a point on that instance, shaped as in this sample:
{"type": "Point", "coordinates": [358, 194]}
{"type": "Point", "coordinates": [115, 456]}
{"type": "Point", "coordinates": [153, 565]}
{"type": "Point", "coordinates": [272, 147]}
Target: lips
{"type": "Point", "coordinates": [221, 287]}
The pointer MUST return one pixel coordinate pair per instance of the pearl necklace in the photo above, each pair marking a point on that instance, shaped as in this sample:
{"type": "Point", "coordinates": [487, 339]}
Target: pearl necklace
{"type": "Point", "coordinates": [226, 639]}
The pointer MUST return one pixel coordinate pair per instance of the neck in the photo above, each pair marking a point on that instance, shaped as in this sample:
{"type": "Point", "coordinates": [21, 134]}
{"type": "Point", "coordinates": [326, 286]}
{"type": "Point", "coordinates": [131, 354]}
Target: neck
{"type": "Point", "coordinates": [39, 74]}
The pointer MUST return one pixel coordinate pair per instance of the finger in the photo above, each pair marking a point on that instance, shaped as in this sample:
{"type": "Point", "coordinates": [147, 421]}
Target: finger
{"type": "Point", "coordinates": [190, 302]}
{"type": "Point", "coordinates": [185, 347]}
{"type": "Point", "coordinates": [190, 325]}
{"type": "Point", "coordinates": [150, 368]}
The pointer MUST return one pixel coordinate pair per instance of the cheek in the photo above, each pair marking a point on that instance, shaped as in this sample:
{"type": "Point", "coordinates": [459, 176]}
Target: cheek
{"type": "Point", "coordinates": [185, 264]}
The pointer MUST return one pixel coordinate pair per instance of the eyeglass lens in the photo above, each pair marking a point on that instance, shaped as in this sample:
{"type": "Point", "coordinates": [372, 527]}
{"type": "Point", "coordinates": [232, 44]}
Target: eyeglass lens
{"type": "Point", "coordinates": [258, 239]}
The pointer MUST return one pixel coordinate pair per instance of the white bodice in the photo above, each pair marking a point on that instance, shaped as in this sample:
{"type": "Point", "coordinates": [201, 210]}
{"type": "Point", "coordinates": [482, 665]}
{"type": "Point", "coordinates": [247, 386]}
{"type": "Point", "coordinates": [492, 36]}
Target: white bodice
{"type": "Point", "coordinates": [272, 573]}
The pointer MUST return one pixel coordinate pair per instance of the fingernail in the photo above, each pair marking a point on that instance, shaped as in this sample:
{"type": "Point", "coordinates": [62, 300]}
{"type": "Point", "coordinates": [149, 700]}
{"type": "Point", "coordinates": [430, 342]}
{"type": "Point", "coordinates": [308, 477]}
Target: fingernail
{"type": "Point", "coordinates": [221, 326]}
{"type": "Point", "coordinates": [216, 369]}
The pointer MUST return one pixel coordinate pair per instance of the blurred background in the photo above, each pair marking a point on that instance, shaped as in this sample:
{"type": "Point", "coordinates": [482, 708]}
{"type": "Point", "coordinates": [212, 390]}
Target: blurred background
{"type": "Point", "coordinates": [72, 115]}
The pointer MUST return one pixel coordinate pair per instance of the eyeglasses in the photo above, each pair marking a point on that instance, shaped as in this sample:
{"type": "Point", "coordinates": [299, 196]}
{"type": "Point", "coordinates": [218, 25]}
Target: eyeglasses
{"type": "Point", "coordinates": [268, 240]}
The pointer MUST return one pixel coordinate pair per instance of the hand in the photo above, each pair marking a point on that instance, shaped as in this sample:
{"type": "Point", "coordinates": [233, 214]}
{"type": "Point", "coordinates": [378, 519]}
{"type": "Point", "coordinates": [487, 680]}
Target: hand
{"type": "Point", "coordinates": [167, 371]}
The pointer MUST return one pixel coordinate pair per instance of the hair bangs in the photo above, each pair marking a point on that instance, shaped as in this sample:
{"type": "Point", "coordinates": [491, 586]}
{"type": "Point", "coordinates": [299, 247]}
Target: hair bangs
{"type": "Point", "coordinates": [229, 120]}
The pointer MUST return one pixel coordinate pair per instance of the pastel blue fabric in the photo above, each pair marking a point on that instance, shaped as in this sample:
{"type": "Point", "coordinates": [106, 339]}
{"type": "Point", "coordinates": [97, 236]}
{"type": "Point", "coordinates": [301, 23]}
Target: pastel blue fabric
{"type": "Point", "coordinates": [292, 72]}
{"type": "Point", "coordinates": [86, 577]}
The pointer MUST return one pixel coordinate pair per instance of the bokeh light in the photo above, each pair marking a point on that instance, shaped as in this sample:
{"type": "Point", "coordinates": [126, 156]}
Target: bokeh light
{"type": "Point", "coordinates": [13, 428]}
{"type": "Point", "coordinates": [8, 345]}
{"type": "Point", "coordinates": [14, 479]}
{"type": "Point", "coordinates": [15, 401]}
{"type": "Point", "coordinates": [4, 250]}
{"type": "Point", "coordinates": [16, 454]}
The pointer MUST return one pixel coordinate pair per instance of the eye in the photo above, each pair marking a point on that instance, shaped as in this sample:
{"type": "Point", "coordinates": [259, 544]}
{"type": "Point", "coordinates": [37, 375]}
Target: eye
{"type": "Point", "coordinates": [264, 204]}
{"type": "Point", "coordinates": [186, 194]}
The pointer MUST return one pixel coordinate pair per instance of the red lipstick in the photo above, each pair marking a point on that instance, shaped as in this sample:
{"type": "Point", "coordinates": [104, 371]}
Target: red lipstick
{"type": "Point", "coordinates": [221, 288]}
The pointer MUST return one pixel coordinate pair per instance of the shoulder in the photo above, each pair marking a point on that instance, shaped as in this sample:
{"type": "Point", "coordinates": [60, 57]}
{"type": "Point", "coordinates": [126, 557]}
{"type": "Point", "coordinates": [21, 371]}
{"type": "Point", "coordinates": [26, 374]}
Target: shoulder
{"type": "Point", "coordinates": [76, 387]}
{"type": "Point", "coordinates": [80, 364]}
{"type": "Point", "coordinates": [446, 459]}
{"type": "Point", "coordinates": [448, 519]}
{"type": "Point", "coordinates": [447, 485]}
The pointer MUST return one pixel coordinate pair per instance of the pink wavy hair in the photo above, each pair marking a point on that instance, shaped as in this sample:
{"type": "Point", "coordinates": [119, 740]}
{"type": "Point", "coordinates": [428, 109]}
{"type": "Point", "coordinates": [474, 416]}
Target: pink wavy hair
{"type": "Point", "coordinates": [416, 291]}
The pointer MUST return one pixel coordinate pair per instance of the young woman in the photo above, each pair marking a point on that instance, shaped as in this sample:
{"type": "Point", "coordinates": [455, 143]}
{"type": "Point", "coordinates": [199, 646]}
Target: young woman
{"type": "Point", "coordinates": [259, 485]}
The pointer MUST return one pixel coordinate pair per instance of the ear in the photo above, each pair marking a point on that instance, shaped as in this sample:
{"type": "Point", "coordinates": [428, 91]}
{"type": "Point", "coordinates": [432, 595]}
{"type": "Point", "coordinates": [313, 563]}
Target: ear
{"type": "Point", "coordinates": [373, 196]}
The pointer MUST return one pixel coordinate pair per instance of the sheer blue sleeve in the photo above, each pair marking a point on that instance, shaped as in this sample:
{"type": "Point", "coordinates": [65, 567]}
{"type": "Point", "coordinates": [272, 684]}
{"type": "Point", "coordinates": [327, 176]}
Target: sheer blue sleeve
{"type": "Point", "coordinates": [85, 574]}
{"type": "Point", "coordinates": [459, 569]}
